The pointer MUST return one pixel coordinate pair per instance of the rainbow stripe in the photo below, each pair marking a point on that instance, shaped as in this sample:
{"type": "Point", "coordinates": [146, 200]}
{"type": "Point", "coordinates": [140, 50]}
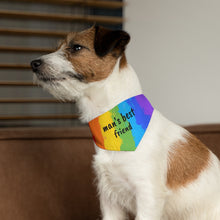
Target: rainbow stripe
{"type": "Point", "coordinates": [122, 128]}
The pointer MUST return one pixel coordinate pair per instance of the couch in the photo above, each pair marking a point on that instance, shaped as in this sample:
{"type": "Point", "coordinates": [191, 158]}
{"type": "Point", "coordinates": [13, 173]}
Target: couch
{"type": "Point", "coordinates": [45, 173]}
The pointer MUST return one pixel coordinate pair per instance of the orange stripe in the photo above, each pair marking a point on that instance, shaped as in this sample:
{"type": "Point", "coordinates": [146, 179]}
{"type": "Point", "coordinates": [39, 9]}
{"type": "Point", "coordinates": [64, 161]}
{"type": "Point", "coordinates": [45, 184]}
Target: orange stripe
{"type": "Point", "coordinates": [97, 133]}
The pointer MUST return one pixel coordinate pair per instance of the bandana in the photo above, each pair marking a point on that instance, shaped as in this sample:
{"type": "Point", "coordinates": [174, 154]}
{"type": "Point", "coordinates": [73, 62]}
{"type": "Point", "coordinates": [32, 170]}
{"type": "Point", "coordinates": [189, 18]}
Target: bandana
{"type": "Point", "coordinates": [122, 128]}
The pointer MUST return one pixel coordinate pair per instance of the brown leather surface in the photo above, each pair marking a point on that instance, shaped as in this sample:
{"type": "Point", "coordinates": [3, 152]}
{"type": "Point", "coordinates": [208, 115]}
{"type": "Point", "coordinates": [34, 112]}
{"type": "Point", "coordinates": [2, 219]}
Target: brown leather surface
{"type": "Point", "coordinates": [46, 178]}
{"type": "Point", "coordinates": [46, 174]}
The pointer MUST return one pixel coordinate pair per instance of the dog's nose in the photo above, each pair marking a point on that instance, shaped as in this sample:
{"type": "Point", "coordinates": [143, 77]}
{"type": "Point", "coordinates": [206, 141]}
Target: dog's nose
{"type": "Point", "coordinates": [35, 64]}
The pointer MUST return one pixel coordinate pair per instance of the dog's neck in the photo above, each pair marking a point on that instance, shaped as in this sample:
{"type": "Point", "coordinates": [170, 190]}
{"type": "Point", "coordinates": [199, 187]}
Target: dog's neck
{"type": "Point", "coordinates": [103, 95]}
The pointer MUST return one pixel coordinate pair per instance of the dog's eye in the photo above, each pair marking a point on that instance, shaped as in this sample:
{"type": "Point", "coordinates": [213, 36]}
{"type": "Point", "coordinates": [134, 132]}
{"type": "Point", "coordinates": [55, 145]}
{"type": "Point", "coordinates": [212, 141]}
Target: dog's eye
{"type": "Point", "coordinates": [75, 48]}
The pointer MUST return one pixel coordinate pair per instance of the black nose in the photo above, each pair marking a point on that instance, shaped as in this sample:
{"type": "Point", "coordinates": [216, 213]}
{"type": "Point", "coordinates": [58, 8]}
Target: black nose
{"type": "Point", "coordinates": [35, 64]}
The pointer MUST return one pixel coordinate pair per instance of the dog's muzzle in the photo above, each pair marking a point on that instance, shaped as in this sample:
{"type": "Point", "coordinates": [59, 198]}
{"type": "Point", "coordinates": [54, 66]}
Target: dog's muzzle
{"type": "Point", "coordinates": [35, 65]}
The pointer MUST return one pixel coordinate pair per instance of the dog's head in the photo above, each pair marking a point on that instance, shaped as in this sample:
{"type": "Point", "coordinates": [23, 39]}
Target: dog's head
{"type": "Point", "coordinates": [83, 57]}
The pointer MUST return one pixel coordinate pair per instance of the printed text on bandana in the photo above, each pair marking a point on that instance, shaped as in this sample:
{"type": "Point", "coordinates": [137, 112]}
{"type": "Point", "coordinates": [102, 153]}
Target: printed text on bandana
{"type": "Point", "coordinates": [118, 121]}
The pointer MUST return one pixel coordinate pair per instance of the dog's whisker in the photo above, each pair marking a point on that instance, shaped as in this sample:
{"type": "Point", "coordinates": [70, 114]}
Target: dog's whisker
{"type": "Point", "coordinates": [77, 76]}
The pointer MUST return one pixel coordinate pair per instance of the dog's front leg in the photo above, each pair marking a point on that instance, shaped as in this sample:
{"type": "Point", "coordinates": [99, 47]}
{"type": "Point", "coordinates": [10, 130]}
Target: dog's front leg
{"type": "Point", "coordinates": [149, 203]}
{"type": "Point", "coordinates": [111, 210]}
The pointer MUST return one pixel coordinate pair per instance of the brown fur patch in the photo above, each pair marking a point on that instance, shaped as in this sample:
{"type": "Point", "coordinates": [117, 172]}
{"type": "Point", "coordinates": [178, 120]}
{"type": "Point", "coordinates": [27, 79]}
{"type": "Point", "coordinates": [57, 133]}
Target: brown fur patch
{"type": "Point", "coordinates": [123, 61]}
{"type": "Point", "coordinates": [186, 161]}
{"type": "Point", "coordinates": [86, 62]}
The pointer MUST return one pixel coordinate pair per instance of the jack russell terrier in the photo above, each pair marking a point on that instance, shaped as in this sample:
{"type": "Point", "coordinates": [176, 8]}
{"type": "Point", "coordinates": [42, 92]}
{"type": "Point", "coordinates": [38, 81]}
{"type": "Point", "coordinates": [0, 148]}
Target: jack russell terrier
{"type": "Point", "coordinates": [145, 164]}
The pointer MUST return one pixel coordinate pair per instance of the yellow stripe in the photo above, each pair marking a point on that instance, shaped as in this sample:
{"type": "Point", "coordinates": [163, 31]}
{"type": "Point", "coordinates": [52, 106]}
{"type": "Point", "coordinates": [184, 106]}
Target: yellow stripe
{"type": "Point", "coordinates": [110, 141]}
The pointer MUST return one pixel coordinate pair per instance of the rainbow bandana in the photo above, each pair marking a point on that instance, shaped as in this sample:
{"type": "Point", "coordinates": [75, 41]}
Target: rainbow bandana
{"type": "Point", "coordinates": [122, 128]}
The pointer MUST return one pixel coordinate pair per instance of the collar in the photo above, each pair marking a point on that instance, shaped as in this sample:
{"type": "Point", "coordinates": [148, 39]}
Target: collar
{"type": "Point", "coordinates": [123, 127]}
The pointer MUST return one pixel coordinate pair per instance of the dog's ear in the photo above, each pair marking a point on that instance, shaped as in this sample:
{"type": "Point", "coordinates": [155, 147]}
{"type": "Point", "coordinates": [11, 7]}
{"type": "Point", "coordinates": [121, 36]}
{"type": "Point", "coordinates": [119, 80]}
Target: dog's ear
{"type": "Point", "coordinates": [107, 40]}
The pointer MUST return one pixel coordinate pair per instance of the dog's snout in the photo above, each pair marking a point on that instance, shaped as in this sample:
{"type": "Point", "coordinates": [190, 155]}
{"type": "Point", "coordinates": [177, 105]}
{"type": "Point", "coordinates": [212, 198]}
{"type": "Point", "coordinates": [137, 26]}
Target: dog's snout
{"type": "Point", "coordinates": [35, 65]}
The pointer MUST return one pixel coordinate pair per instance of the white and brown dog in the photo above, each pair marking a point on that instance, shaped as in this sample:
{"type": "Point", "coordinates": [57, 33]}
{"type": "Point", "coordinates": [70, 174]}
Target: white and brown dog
{"type": "Point", "coordinates": [171, 175]}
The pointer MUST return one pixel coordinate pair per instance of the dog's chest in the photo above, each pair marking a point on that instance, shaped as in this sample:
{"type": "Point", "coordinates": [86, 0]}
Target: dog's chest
{"type": "Point", "coordinates": [114, 180]}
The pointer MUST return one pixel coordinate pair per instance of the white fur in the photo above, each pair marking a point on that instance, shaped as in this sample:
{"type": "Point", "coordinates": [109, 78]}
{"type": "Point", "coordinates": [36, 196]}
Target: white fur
{"type": "Point", "coordinates": [136, 181]}
{"type": "Point", "coordinates": [56, 65]}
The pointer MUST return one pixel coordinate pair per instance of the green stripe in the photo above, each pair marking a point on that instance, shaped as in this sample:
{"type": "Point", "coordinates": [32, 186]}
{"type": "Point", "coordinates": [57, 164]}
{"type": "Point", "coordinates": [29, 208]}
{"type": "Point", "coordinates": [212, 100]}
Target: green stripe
{"type": "Point", "coordinates": [128, 143]}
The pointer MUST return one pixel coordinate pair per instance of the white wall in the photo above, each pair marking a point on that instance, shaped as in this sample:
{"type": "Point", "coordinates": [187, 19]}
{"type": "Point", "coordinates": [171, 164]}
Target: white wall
{"type": "Point", "coordinates": [175, 49]}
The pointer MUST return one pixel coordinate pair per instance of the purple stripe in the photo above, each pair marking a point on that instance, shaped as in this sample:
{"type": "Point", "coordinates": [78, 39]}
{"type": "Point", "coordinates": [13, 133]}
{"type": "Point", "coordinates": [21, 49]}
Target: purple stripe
{"type": "Point", "coordinates": [144, 104]}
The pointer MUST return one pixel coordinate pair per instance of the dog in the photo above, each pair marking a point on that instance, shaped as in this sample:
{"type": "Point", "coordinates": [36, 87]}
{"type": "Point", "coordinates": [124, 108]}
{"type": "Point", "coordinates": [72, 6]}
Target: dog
{"type": "Point", "coordinates": [170, 174]}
